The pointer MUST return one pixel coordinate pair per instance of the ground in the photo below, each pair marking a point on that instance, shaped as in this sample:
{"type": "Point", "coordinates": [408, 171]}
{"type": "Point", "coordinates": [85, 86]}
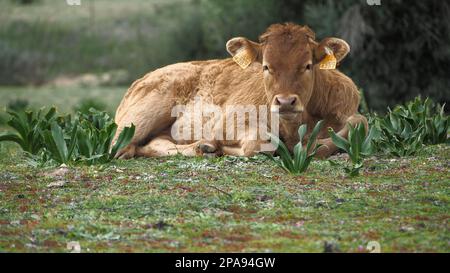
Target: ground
{"type": "Point", "coordinates": [222, 204]}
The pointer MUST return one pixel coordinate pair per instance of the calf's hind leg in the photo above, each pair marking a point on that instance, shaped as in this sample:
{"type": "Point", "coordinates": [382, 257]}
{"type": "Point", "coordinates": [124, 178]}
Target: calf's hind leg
{"type": "Point", "coordinates": [150, 115]}
{"type": "Point", "coordinates": [164, 145]}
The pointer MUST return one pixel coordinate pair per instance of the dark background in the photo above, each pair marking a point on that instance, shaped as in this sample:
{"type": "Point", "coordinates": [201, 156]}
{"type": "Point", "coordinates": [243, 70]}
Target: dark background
{"type": "Point", "coordinates": [400, 49]}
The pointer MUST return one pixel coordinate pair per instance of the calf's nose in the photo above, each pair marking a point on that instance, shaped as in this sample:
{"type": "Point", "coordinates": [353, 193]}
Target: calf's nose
{"type": "Point", "coordinates": [289, 100]}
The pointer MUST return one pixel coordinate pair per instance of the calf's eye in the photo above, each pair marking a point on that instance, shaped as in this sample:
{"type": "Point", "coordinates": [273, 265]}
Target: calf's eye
{"type": "Point", "coordinates": [308, 66]}
{"type": "Point", "coordinates": [265, 68]}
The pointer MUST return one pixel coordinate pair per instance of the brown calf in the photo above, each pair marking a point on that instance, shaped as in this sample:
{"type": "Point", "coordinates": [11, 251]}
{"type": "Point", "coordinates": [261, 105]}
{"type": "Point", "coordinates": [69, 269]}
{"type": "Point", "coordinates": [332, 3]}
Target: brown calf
{"type": "Point", "coordinates": [288, 71]}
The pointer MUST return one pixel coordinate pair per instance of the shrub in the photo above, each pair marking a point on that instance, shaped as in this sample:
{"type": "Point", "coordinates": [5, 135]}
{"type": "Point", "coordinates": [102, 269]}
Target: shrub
{"type": "Point", "coordinates": [376, 34]}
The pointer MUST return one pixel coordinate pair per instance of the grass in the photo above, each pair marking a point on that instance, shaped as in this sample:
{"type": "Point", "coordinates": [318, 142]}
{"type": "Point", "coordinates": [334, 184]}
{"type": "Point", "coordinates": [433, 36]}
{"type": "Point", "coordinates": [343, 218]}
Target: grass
{"type": "Point", "coordinates": [64, 98]}
{"type": "Point", "coordinates": [43, 41]}
{"type": "Point", "coordinates": [217, 204]}
{"type": "Point", "coordinates": [225, 204]}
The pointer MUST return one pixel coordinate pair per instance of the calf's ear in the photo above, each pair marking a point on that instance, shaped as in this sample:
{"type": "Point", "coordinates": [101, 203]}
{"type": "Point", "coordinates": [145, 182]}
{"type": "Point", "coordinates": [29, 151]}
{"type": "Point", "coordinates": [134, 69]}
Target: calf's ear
{"type": "Point", "coordinates": [338, 47]}
{"type": "Point", "coordinates": [244, 51]}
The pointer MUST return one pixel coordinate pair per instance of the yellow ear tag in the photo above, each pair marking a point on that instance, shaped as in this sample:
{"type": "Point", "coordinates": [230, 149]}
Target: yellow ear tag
{"type": "Point", "coordinates": [329, 62]}
{"type": "Point", "coordinates": [244, 58]}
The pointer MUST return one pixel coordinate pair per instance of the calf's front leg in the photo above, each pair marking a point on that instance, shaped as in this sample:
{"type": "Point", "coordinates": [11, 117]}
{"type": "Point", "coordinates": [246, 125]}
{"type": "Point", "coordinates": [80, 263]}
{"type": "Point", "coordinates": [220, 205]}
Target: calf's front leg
{"type": "Point", "coordinates": [328, 148]}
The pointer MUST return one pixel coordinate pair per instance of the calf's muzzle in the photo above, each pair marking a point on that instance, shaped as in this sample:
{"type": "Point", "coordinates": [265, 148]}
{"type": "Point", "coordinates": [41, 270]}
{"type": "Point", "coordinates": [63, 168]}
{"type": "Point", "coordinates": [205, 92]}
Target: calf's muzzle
{"type": "Point", "coordinates": [288, 103]}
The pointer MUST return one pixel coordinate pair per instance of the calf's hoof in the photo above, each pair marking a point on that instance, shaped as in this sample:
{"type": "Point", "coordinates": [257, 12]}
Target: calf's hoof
{"type": "Point", "coordinates": [207, 148]}
{"type": "Point", "coordinates": [127, 152]}
{"type": "Point", "coordinates": [323, 152]}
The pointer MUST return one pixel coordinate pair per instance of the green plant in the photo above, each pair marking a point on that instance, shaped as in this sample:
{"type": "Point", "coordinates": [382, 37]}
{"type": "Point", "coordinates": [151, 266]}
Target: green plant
{"type": "Point", "coordinates": [404, 130]}
{"type": "Point", "coordinates": [437, 128]}
{"type": "Point", "coordinates": [85, 105]}
{"type": "Point", "coordinates": [397, 136]}
{"type": "Point", "coordinates": [58, 147]}
{"type": "Point", "coordinates": [29, 127]}
{"type": "Point", "coordinates": [364, 107]}
{"type": "Point", "coordinates": [358, 146]}
{"type": "Point", "coordinates": [17, 105]}
{"type": "Point", "coordinates": [2, 119]}
{"type": "Point", "coordinates": [85, 138]}
{"type": "Point", "coordinates": [299, 162]}
{"type": "Point", "coordinates": [95, 136]}
{"type": "Point", "coordinates": [426, 115]}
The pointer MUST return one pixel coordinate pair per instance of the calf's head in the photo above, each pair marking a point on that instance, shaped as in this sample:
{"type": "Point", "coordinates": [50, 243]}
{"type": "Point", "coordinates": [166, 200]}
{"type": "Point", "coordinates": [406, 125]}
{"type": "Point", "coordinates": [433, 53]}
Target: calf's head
{"type": "Point", "coordinates": [289, 56]}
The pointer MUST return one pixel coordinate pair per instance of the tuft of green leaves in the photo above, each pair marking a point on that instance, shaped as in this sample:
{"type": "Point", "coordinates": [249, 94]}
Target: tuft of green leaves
{"type": "Point", "coordinates": [29, 127]}
{"type": "Point", "coordinates": [404, 130]}
{"type": "Point", "coordinates": [299, 162]}
{"type": "Point", "coordinates": [57, 146]}
{"type": "Point", "coordinates": [86, 138]}
{"type": "Point", "coordinates": [358, 146]}
{"type": "Point", "coordinates": [428, 117]}
{"type": "Point", "coordinates": [96, 134]}
{"type": "Point", "coordinates": [397, 136]}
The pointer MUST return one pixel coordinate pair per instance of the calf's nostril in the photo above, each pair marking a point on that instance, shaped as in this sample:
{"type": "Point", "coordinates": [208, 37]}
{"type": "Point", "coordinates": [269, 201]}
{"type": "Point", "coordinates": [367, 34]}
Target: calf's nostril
{"type": "Point", "coordinates": [293, 100]}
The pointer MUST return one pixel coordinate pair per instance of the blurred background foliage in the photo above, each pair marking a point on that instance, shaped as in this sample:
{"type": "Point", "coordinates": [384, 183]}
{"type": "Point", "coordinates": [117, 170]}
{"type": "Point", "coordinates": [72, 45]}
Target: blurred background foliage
{"type": "Point", "coordinates": [399, 49]}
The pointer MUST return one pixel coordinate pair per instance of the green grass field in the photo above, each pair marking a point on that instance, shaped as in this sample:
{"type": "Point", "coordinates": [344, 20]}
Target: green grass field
{"type": "Point", "coordinates": [218, 204]}
{"type": "Point", "coordinates": [225, 204]}
{"type": "Point", "coordinates": [64, 98]}
{"type": "Point", "coordinates": [49, 39]}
